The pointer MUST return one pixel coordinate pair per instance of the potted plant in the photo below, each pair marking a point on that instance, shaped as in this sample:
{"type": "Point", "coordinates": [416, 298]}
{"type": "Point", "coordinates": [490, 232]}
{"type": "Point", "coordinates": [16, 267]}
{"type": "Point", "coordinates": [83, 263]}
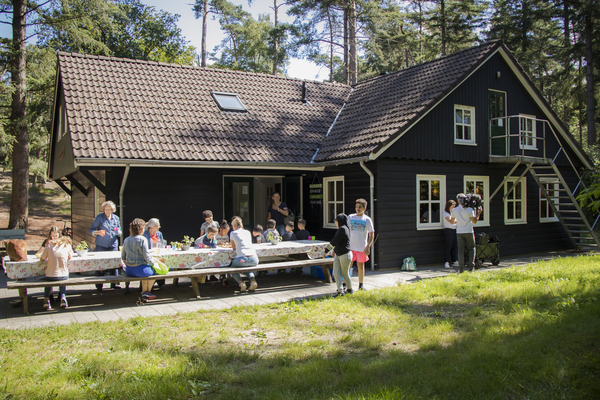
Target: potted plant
{"type": "Point", "coordinates": [82, 248]}
{"type": "Point", "coordinates": [186, 243]}
{"type": "Point", "coordinates": [175, 245]}
{"type": "Point", "coordinates": [273, 237]}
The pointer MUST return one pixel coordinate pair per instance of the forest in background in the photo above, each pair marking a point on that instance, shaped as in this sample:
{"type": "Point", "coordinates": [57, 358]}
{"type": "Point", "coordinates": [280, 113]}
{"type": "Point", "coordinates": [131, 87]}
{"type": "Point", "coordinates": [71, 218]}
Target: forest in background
{"type": "Point", "coordinates": [555, 41]}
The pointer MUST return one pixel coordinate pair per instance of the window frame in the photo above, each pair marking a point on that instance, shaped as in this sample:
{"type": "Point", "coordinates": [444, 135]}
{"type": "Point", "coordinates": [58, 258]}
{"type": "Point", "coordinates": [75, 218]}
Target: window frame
{"type": "Point", "coordinates": [242, 109]}
{"type": "Point", "coordinates": [533, 136]}
{"type": "Point", "coordinates": [326, 202]}
{"type": "Point", "coordinates": [473, 141]}
{"type": "Point", "coordinates": [523, 219]}
{"type": "Point", "coordinates": [548, 181]}
{"type": "Point", "coordinates": [485, 201]}
{"type": "Point", "coordinates": [422, 226]}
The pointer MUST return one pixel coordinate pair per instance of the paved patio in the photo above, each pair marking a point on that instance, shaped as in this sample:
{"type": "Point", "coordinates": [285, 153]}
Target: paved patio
{"type": "Point", "coordinates": [87, 305]}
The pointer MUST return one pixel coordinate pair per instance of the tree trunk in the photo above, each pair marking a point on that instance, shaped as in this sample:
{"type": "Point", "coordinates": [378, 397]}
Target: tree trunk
{"type": "Point", "coordinates": [352, 54]}
{"type": "Point", "coordinates": [275, 39]}
{"type": "Point", "coordinates": [591, 123]}
{"type": "Point", "coordinates": [443, 21]}
{"type": "Point", "coordinates": [204, 21]}
{"type": "Point", "coordinates": [19, 210]}
{"type": "Point", "coordinates": [330, 45]}
{"type": "Point", "coordinates": [345, 69]}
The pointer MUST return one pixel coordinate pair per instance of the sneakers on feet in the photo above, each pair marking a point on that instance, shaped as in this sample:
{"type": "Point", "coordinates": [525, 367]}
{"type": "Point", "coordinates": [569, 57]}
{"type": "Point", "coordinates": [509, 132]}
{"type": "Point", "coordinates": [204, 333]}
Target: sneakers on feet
{"type": "Point", "coordinates": [63, 303]}
{"type": "Point", "coordinates": [242, 287]}
{"type": "Point", "coordinates": [253, 285]}
{"type": "Point", "coordinates": [361, 287]}
{"type": "Point", "coordinates": [350, 291]}
{"type": "Point", "coordinates": [344, 286]}
{"type": "Point", "coordinates": [338, 294]}
{"type": "Point", "coordinates": [455, 264]}
{"type": "Point", "coordinates": [47, 305]}
{"type": "Point", "coordinates": [148, 296]}
{"type": "Point", "coordinates": [446, 265]}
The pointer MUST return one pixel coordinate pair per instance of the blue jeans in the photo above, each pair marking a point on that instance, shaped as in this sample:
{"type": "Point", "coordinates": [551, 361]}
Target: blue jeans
{"type": "Point", "coordinates": [280, 229]}
{"type": "Point", "coordinates": [61, 289]}
{"type": "Point", "coordinates": [243, 261]}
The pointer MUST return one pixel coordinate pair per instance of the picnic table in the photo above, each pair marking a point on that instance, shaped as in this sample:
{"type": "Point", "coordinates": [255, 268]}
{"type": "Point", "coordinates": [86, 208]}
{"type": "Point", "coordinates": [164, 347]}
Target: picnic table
{"type": "Point", "coordinates": [174, 259]}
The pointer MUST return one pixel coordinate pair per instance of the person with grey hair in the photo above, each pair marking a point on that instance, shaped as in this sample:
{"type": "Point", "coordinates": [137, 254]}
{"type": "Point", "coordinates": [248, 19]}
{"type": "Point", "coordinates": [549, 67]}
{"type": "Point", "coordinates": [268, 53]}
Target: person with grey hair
{"type": "Point", "coordinates": [152, 235]}
{"type": "Point", "coordinates": [106, 230]}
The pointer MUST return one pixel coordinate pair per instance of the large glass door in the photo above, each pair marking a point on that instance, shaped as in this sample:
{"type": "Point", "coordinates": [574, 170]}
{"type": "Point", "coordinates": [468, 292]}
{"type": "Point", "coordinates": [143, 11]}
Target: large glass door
{"type": "Point", "coordinates": [497, 109]}
{"type": "Point", "coordinates": [238, 199]}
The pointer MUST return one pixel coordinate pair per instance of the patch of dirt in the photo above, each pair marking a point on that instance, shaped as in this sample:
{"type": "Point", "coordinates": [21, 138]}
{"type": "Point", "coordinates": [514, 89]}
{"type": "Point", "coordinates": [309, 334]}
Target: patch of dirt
{"type": "Point", "coordinates": [49, 206]}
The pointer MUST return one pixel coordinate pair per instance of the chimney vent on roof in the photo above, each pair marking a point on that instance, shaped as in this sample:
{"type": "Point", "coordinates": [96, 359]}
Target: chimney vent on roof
{"type": "Point", "coordinates": [304, 94]}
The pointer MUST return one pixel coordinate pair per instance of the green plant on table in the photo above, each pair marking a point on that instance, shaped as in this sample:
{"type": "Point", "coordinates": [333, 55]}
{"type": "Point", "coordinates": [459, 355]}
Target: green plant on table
{"type": "Point", "coordinates": [273, 235]}
{"type": "Point", "coordinates": [187, 241]}
{"type": "Point", "coordinates": [175, 245]}
{"type": "Point", "coordinates": [82, 246]}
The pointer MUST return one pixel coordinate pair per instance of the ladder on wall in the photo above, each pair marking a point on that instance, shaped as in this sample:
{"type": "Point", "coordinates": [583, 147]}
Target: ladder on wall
{"type": "Point", "coordinates": [563, 203]}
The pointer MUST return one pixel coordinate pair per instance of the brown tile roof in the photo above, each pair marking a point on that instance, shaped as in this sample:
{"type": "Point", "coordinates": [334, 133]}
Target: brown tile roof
{"type": "Point", "coordinates": [380, 109]}
{"type": "Point", "coordinates": [130, 109]}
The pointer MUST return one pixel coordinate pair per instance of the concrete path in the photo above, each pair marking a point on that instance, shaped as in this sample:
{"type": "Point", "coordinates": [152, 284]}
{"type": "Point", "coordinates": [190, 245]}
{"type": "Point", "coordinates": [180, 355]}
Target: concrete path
{"type": "Point", "coordinates": [86, 304]}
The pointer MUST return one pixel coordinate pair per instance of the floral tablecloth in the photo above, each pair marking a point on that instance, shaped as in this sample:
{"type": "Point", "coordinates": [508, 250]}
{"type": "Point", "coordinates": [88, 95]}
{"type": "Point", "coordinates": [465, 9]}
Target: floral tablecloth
{"type": "Point", "coordinates": [193, 258]}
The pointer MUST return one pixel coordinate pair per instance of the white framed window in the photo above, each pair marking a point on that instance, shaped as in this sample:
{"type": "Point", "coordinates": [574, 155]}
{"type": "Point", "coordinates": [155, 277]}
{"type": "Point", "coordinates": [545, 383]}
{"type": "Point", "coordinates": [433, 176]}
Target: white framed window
{"type": "Point", "coordinates": [333, 199]}
{"type": "Point", "coordinates": [527, 132]}
{"type": "Point", "coordinates": [546, 212]}
{"type": "Point", "coordinates": [464, 124]}
{"type": "Point", "coordinates": [480, 185]}
{"type": "Point", "coordinates": [515, 204]}
{"type": "Point", "coordinates": [431, 195]}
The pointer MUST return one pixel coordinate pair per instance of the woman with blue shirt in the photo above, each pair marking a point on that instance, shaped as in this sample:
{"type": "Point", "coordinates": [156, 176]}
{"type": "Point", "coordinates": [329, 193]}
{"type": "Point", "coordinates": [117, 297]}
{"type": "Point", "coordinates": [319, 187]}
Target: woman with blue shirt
{"type": "Point", "coordinates": [152, 233]}
{"type": "Point", "coordinates": [136, 255]}
{"type": "Point", "coordinates": [278, 211]}
{"type": "Point", "coordinates": [106, 228]}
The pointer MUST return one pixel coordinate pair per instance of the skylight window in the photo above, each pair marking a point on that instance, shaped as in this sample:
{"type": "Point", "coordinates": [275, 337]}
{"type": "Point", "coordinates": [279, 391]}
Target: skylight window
{"type": "Point", "coordinates": [229, 102]}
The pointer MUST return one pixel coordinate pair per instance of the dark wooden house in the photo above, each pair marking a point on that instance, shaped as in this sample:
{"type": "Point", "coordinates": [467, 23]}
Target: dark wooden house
{"type": "Point", "coordinates": [170, 141]}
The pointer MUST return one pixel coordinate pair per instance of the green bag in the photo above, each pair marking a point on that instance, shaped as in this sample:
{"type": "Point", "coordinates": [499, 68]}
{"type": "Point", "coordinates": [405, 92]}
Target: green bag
{"type": "Point", "coordinates": [409, 264]}
{"type": "Point", "coordinates": [160, 268]}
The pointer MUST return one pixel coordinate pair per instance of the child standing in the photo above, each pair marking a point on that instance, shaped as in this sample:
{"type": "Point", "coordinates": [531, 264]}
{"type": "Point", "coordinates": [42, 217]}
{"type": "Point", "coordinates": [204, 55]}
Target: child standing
{"type": "Point", "coordinates": [289, 232]}
{"type": "Point", "coordinates": [302, 233]}
{"type": "Point", "coordinates": [207, 215]}
{"type": "Point", "coordinates": [342, 254]}
{"type": "Point", "coordinates": [361, 237]}
{"type": "Point", "coordinates": [58, 252]}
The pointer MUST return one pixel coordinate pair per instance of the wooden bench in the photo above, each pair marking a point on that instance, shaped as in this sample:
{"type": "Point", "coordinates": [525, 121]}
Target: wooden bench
{"type": "Point", "coordinates": [196, 275]}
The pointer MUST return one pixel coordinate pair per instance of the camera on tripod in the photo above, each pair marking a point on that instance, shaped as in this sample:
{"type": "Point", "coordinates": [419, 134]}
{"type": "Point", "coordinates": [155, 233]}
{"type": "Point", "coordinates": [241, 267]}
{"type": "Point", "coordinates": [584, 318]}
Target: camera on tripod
{"type": "Point", "coordinates": [471, 200]}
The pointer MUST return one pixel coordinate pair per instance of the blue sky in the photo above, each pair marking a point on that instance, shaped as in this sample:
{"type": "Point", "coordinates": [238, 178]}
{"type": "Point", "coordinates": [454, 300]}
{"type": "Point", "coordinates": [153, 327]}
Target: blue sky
{"type": "Point", "coordinates": [192, 30]}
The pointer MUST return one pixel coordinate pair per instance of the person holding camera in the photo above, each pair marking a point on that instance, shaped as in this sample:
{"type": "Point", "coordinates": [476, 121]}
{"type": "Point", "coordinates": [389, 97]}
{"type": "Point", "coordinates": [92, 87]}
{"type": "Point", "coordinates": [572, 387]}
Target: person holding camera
{"type": "Point", "coordinates": [465, 217]}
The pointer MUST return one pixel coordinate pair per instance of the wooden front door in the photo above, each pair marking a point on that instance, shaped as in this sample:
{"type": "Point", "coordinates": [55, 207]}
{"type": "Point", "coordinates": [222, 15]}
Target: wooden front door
{"type": "Point", "coordinates": [238, 198]}
{"type": "Point", "coordinates": [497, 109]}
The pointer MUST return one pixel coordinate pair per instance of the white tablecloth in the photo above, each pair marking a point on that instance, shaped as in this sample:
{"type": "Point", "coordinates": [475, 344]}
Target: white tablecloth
{"type": "Point", "coordinates": [198, 258]}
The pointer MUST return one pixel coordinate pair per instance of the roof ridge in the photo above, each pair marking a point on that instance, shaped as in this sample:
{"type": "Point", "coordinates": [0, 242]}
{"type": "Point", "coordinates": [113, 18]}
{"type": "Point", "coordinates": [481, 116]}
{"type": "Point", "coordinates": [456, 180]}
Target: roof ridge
{"type": "Point", "coordinates": [134, 60]}
{"type": "Point", "coordinates": [490, 43]}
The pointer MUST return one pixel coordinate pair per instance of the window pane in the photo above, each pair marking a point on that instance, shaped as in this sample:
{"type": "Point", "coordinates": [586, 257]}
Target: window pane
{"type": "Point", "coordinates": [459, 132]}
{"type": "Point", "coordinates": [339, 194]}
{"type": "Point", "coordinates": [467, 117]}
{"type": "Point", "coordinates": [459, 116]}
{"type": "Point", "coordinates": [543, 209]}
{"type": "Point", "coordinates": [529, 125]}
{"type": "Point", "coordinates": [480, 190]}
{"type": "Point", "coordinates": [517, 191]}
{"type": "Point", "coordinates": [510, 210]}
{"type": "Point", "coordinates": [331, 212]}
{"type": "Point", "coordinates": [435, 190]}
{"type": "Point", "coordinates": [339, 209]}
{"type": "Point", "coordinates": [467, 134]}
{"type": "Point", "coordinates": [435, 212]}
{"type": "Point", "coordinates": [330, 191]}
{"type": "Point", "coordinates": [518, 210]}
{"type": "Point", "coordinates": [424, 212]}
{"type": "Point", "coordinates": [424, 192]}
{"type": "Point", "coordinates": [469, 187]}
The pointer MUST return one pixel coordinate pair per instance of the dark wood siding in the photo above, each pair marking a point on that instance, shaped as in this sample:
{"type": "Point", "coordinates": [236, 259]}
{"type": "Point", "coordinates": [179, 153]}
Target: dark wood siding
{"type": "Point", "coordinates": [83, 207]}
{"type": "Point", "coordinates": [432, 138]}
{"type": "Point", "coordinates": [397, 210]}
{"type": "Point", "coordinates": [356, 185]}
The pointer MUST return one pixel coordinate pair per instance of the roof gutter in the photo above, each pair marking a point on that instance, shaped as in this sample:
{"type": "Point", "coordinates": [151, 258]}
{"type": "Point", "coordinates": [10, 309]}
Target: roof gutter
{"type": "Point", "coordinates": [111, 162]}
{"type": "Point", "coordinates": [372, 202]}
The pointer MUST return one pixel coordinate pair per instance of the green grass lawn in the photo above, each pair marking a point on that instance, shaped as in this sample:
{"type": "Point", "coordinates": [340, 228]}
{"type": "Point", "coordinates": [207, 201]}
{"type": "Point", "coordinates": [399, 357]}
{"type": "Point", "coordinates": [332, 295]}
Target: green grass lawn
{"type": "Point", "coordinates": [519, 333]}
